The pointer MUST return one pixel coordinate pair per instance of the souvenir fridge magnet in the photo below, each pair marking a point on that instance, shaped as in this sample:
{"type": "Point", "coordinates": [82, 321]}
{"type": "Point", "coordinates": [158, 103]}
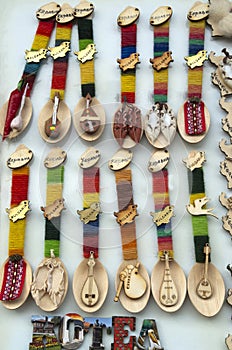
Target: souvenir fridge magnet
{"type": "Point", "coordinates": [55, 117]}
{"type": "Point", "coordinates": [127, 123]}
{"type": "Point", "coordinates": [16, 113]}
{"type": "Point", "coordinates": [205, 284]}
{"type": "Point", "coordinates": [222, 75]}
{"type": "Point", "coordinates": [132, 281]}
{"type": "Point", "coordinates": [220, 18]}
{"type": "Point", "coordinates": [168, 282]}
{"type": "Point", "coordinates": [50, 279]}
{"type": "Point", "coordinates": [90, 280]}
{"type": "Point", "coordinates": [193, 117]}
{"type": "Point", "coordinates": [160, 122]}
{"type": "Point", "coordinates": [16, 274]}
{"type": "Point", "coordinates": [89, 115]}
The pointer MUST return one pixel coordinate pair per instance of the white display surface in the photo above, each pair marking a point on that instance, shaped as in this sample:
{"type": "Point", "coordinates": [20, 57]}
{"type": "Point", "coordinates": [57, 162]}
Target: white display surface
{"type": "Point", "coordinates": [186, 328]}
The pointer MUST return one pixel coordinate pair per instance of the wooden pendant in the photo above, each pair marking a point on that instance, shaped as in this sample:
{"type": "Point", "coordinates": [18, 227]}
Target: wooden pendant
{"type": "Point", "coordinates": [50, 284]}
{"type": "Point", "coordinates": [24, 116]}
{"type": "Point", "coordinates": [14, 304]}
{"type": "Point", "coordinates": [89, 118]}
{"type": "Point", "coordinates": [22, 156]}
{"type": "Point", "coordinates": [208, 305]}
{"type": "Point", "coordinates": [90, 285]}
{"type": "Point", "coordinates": [168, 285]}
{"type": "Point", "coordinates": [132, 286]}
{"type": "Point", "coordinates": [63, 116]}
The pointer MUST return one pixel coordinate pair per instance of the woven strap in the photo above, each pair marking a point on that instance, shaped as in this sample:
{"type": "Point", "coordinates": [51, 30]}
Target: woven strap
{"type": "Point", "coordinates": [128, 78]}
{"type": "Point", "coordinates": [41, 41]}
{"type": "Point", "coordinates": [125, 198]}
{"type": "Point", "coordinates": [91, 179]}
{"type": "Point", "coordinates": [161, 45]}
{"type": "Point", "coordinates": [161, 200]}
{"type": "Point", "coordinates": [55, 180]}
{"type": "Point", "coordinates": [200, 222]}
{"type": "Point", "coordinates": [19, 190]}
{"type": "Point", "coordinates": [60, 65]}
{"type": "Point", "coordinates": [196, 43]}
{"type": "Point", "coordinates": [85, 33]}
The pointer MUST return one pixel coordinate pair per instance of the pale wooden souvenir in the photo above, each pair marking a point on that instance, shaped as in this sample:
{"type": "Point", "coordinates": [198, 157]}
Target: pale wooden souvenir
{"type": "Point", "coordinates": [227, 120]}
{"type": "Point", "coordinates": [59, 51]}
{"type": "Point", "coordinates": [220, 18]}
{"type": "Point", "coordinates": [227, 219]}
{"type": "Point", "coordinates": [226, 148]}
{"type": "Point", "coordinates": [63, 115]}
{"type": "Point", "coordinates": [89, 158]}
{"type": "Point", "coordinates": [22, 156]}
{"type": "Point", "coordinates": [89, 214]}
{"type": "Point", "coordinates": [163, 216]}
{"type": "Point", "coordinates": [128, 62]}
{"type": "Point", "coordinates": [168, 284]}
{"type": "Point", "coordinates": [160, 15]}
{"type": "Point", "coordinates": [228, 341]}
{"type": "Point", "coordinates": [35, 56]}
{"type": "Point", "coordinates": [160, 125]}
{"type": "Point", "coordinates": [162, 62]}
{"type": "Point", "coordinates": [198, 12]}
{"type": "Point", "coordinates": [55, 158]}
{"type": "Point", "coordinates": [89, 111]}
{"type": "Point", "coordinates": [226, 170]}
{"type": "Point", "coordinates": [128, 16]}
{"type": "Point", "coordinates": [24, 116]}
{"type": "Point", "coordinates": [222, 75]}
{"type": "Point", "coordinates": [132, 286]}
{"type": "Point", "coordinates": [83, 9]}
{"type": "Point", "coordinates": [65, 15]}
{"type": "Point", "coordinates": [50, 283]}
{"type": "Point", "coordinates": [120, 159]}
{"type": "Point", "coordinates": [126, 216]}
{"type": "Point", "coordinates": [86, 54]}
{"type": "Point", "coordinates": [14, 304]}
{"type": "Point", "coordinates": [196, 60]}
{"type": "Point", "coordinates": [195, 160]}
{"type": "Point", "coordinates": [90, 284]}
{"type": "Point", "coordinates": [198, 207]}
{"type": "Point", "coordinates": [19, 212]}
{"type": "Point", "coordinates": [53, 210]}
{"type": "Point", "coordinates": [48, 11]}
{"type": "Point", "coordinates": [158, 160]}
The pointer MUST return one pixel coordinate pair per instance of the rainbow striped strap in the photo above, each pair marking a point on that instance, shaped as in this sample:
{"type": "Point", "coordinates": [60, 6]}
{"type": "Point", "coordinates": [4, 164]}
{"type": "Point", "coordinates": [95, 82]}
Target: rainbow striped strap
{"type": "Point", "coordinates": [161, 45]}
{"type": "Point", "coordinates": [55, 180]}
{"type": "Point", "coordinates": [161, 200]}
{"type": "Point", "coordinates": [60, 64]}
{"type": "Point", "coordinates": [125, 198]}
{"type": "Point", "coordinates": [128, 78]}
{"type": "Point", "coordinates": [41, 40]}
{"type": "Point", "coordinates": [85, 33]}
{"type": "Point", "coordinates": [19, 192]}
{"type": "Point", "coordinates": [200, 222]}
{"type": "Point", "coordinates": [196, 44]}
{"type": "Point", "coordinates": [91, 180]}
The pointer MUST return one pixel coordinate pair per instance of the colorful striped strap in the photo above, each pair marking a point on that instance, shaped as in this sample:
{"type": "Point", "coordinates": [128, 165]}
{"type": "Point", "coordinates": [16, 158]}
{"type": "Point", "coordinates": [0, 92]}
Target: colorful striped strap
{"type": "Point", "coordinates": [161, 201]}
{"type": "Point", "coordinates": [91, 180]}
{"type": "Point", "coordinates": [41, 41]}
{"type": "Point", "coordinates": [161, 45]}
{"type": "Point", "coordinates": [196, 44]}
{"type": "Point", "coordinates": [200, 222]}
{"type": "Point", "coordinates": [55, 180]}
{"type": "Point", "coordinates": [60, 64]}
{"type": "Point", "coordinates": [128, 78]}
{"type": "Point", "coordinates": [125, 198]}
{"type": "Point", "coordinates": [19, 192]}
{"type": "Point", "coordinates": [85, 33]}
